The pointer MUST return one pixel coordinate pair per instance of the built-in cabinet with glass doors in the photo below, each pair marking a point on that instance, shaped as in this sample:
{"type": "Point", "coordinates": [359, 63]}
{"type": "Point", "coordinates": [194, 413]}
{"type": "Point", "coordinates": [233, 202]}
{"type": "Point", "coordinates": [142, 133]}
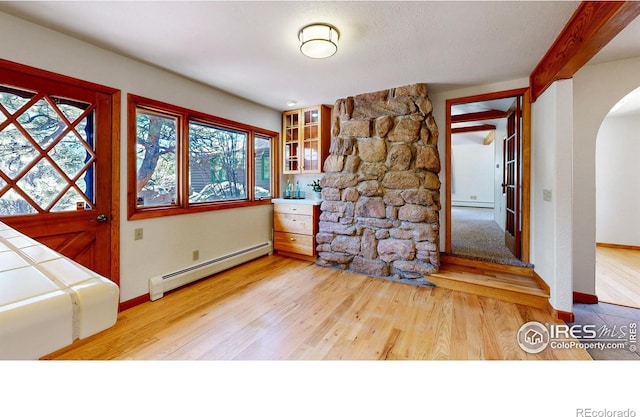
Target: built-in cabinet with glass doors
{"type": "Point", "coordinates": [306, 139]}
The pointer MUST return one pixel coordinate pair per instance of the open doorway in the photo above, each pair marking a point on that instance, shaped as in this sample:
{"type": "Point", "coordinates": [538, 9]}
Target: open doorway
{"type": "Point", "coordinates": [488, 177]}
{"type": "Point", "coordinates": [618, 204]}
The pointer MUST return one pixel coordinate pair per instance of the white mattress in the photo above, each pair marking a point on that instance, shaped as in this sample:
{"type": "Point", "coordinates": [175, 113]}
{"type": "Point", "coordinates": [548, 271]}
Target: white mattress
{"type": "Point", "coordinates": [47, 300]}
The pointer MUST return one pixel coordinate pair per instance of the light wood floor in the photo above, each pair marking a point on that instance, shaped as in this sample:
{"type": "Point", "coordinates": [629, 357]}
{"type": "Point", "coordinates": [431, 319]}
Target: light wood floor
{"type": "Point", "coordinates": [618, 276]}
{"type": "Point", "coordinates": [281, 308]}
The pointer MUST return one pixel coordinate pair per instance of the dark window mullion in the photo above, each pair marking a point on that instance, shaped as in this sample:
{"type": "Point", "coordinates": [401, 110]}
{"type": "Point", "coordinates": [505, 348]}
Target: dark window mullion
{"type": "Point", "coordinates": [250, 166]}
{"type": "Point", "coordinates": [182, 152]}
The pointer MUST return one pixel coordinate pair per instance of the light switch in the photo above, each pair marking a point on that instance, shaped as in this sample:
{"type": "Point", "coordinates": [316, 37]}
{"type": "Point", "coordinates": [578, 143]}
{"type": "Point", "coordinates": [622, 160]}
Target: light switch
{"type": "Point", "coordinates": [546, 195]}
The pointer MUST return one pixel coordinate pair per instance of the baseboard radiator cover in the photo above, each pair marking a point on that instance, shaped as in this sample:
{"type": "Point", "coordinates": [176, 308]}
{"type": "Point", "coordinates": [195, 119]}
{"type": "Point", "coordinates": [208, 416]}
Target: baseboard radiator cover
{"type": "Point", "coordinates": [163, 283]}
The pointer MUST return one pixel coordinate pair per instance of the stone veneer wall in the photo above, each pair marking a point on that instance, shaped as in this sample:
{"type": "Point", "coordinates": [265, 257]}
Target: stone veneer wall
{"type": "Point", "coordinates": [381, 191]}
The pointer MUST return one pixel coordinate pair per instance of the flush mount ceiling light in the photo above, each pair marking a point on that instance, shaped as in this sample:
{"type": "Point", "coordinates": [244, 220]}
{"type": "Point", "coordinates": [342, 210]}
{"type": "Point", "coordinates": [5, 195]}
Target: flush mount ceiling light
{"type": "Point", "coordinates": [318, 40]}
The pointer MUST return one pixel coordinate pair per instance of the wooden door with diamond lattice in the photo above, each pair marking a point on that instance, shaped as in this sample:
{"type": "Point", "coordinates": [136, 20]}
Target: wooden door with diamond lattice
{"type": "Point", "coordinates": [55, 164]}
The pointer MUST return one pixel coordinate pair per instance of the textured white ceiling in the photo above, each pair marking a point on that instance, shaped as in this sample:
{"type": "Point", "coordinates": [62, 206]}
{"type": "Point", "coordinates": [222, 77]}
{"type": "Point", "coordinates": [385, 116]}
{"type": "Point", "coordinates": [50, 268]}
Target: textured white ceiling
{"type": "Point", "coordinates": [250, 48]}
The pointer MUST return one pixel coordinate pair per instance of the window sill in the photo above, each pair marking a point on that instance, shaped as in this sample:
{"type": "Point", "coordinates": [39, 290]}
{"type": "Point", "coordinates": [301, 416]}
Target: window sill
{"type": "Point", "coordinates": [154, 212]}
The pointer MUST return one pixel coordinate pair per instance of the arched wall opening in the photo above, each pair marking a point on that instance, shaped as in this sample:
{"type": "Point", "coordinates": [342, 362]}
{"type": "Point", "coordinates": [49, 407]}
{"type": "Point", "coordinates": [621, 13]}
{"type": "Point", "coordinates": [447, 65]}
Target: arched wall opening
{"type": "Point", "coordinates": [596, 88]}
{"type": "Point", "coordinates": [618, 203]}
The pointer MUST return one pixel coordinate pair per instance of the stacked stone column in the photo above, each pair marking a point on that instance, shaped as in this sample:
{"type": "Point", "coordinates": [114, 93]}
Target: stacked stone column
{"type": "Point", "coordinates": [381, 191]}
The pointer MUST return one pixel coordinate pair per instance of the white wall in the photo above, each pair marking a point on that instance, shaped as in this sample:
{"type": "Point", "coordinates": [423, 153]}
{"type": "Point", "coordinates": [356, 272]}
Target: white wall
{"type": "Point", "coordinates": [617, 185]}
{"type": "Point", "coordinates": [551, 148]}
{"type": "Point", "coordinates": [169, 241]}
{"type": "Point", "coordinates": [596, 89]}
{"type": "Point", "coordinates": [472, 172]}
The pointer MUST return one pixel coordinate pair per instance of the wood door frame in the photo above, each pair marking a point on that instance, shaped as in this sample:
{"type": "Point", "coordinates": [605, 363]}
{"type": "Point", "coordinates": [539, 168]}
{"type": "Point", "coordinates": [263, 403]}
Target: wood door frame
{"type": "Point", "coordinates": [114, 95]}
{"type": "Point", "coordinates": [115, 186]}
{"type": "Point", "coordinates": [526, 163]}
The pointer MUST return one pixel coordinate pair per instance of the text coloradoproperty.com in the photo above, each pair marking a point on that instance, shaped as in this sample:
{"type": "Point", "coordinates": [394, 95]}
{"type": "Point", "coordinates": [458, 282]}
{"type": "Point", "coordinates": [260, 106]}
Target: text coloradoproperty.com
{"type": "Point", "coordinates": [587, 345]}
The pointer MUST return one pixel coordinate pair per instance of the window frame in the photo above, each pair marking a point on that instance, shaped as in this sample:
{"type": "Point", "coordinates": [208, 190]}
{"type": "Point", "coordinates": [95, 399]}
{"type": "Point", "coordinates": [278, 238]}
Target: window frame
{"type": "Point", "coordinates": [184, 116]}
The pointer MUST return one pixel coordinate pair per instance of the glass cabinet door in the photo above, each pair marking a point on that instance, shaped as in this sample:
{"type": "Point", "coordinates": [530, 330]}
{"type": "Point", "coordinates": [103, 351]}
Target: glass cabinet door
{"type": "Point", "coordinates": [291, 142]}
{"type": "Point", "coordinates": [305, 141]}
{"type": "Point", "coordinates": [311, 140]}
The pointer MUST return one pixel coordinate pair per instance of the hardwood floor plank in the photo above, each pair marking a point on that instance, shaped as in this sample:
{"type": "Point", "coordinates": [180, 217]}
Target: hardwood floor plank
{"type": "Point", "coordinates": [459, 334]}
{"type": "Point", "coordinates": [379, 335]}
{"type": "Point", "coordinates": [472, 320]}
{"type": "Point", "coordinates": [277, 308]}
{"type": "Point", "coordinates": [413, 341]}
{"type": "Point", "coordinates": [491, 321]}
{"type": "Point", "coordinates": [439, 328]}
{"type": "Point", "coordinates": [389, 344]}
{"type": "Point", "coordinates": [618, 276]}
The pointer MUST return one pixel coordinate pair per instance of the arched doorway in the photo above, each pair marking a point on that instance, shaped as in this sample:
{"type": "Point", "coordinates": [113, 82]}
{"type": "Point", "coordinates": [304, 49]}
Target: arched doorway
{"type": "Point", "coordinates": [618, 203]}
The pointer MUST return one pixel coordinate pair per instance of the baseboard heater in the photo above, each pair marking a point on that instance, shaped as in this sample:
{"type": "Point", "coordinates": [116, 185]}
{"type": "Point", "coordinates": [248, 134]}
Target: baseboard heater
{"type": "Point", "coordinates": [164, 283]}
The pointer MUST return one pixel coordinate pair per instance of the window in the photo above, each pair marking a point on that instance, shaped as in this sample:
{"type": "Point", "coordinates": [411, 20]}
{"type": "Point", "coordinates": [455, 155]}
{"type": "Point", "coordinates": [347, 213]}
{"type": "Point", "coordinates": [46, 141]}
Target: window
{"type": "Point", "coordinates": [262, 158]}
{"type": "Point", "coordinates": [186, 161]}
{"type": "Point", "coordinates": [156, 158]}
{"type": "Point", "coordinates": [217, 163]}
{"type": "Point", "coordinates": [47, 157]}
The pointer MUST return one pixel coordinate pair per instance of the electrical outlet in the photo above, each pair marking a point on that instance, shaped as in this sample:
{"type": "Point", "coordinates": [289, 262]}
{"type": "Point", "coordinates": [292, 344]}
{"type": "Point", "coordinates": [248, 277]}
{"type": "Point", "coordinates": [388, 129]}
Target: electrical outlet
{"type": "Point", "coordinates": [196, 255]}
{"type": "Point", "coordinates": [474, 197]}
{"type": "Point", "coordinates": [137, 234]}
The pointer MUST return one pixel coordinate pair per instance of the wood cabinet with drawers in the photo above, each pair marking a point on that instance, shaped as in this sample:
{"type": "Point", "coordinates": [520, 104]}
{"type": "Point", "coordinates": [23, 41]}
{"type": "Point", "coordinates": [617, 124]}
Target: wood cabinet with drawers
{"type": "Point", "coordinates": [294, 228]}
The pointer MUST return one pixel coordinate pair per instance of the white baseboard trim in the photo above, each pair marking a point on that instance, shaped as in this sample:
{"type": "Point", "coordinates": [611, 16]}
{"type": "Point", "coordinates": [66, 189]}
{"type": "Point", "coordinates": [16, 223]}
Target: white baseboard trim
{"type": "Point", "coordinates": [479, 204]}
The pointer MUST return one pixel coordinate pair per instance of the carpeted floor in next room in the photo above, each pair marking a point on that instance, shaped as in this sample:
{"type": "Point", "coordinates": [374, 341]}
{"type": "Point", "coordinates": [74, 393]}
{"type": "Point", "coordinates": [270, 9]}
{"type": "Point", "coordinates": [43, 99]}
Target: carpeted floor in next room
{"type": "Point", "coordinates": [476, 235]}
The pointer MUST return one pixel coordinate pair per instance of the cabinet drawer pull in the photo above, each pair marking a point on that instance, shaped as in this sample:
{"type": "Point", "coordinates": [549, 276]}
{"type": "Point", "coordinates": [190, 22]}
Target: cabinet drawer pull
{"type": "Point", "coordinates": [292, 238]}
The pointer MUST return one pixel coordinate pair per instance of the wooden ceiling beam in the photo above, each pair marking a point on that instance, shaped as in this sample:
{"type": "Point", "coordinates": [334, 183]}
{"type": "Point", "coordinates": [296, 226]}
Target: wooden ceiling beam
{"type": "Point", "coordinates": [592, 26]}
{"type": "Point", "coordinates": [467, 129]}
{"type": "Point", "coordinates": [490, 137]}
{"type": "Point", "coordinates": [478, 116]}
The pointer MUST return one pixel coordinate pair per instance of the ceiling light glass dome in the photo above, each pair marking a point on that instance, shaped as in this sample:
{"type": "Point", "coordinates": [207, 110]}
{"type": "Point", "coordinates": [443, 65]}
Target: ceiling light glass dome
{"type": "Point", "coordinates": [318, 40]}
